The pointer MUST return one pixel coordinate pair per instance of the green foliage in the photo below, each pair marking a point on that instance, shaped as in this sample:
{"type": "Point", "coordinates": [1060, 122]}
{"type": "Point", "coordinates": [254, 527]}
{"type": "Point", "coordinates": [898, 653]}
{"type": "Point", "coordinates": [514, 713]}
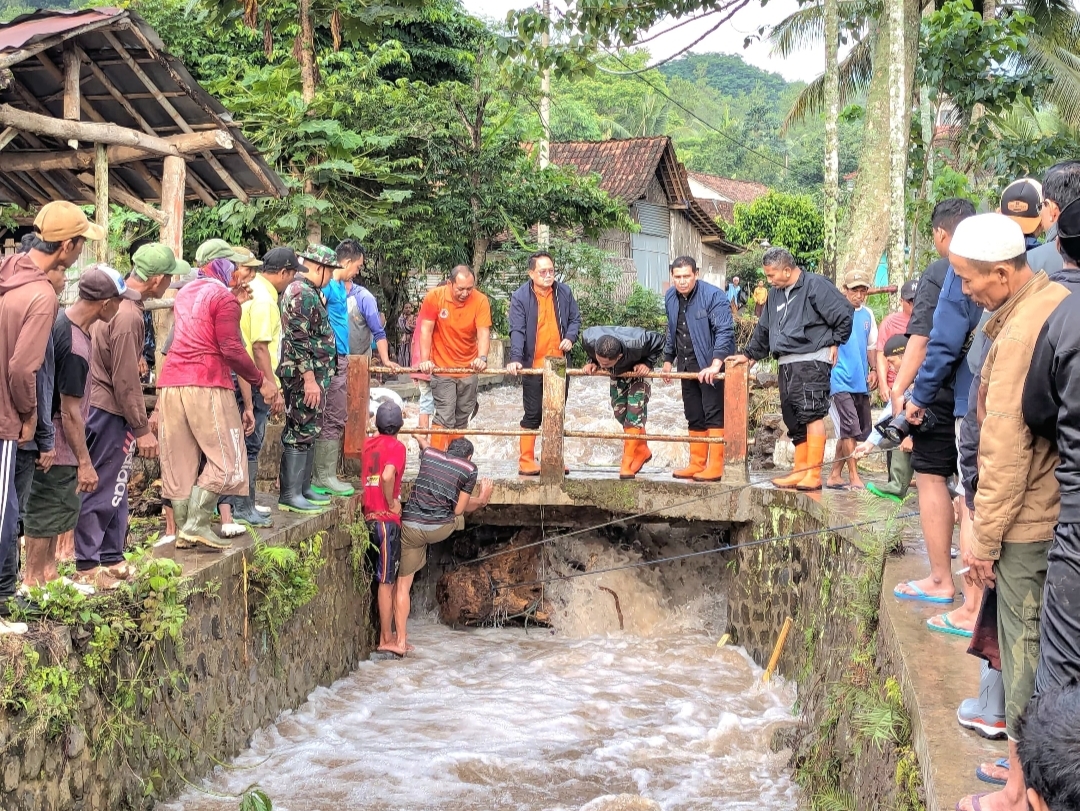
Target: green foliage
{"type": "Point", "coordinates": [255, 799]}
{"type": "Point", "coordinates": [789, 220]}
{"type": "Point", "coordinates": [727, 73]}
{"type": "Point", "coordinates": [280, 580]}
{"type": "Point", "coordinates": [360, 551]}
{"type": "Point", "coordinates": [117, 648]}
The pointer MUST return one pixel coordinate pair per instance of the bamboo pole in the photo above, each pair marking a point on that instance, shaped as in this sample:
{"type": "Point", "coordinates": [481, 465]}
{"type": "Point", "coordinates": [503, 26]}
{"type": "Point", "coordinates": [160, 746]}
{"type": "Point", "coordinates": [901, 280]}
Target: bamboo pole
{"type": "Point", "coordinates": [535, 372]}
{"type": "Point", "coordinates": [719, 440]}
{"type": "Point", "coordinates": [567, 434]}
{"type": "Point", "coordinates": [766, 677]}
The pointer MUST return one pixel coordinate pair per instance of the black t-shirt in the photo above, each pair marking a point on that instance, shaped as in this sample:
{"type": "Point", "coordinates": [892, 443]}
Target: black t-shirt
{"type": "Point", "coordinates": [72, 368]}
{"type": "Point", "coordinates": [926, 298]}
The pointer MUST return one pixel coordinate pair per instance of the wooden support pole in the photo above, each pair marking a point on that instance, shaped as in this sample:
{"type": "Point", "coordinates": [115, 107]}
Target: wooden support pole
{"type": "Point", "coordinates": [736, 412]}
{"type": "Point", "coordinates": [7, 136]}
{"type": "Point", "coordinates": [358, 394]}
{"type": "Point", "coordinates": [72, 90]}
{"type": "Point", "coordinates": [173, 180]}
{"type": "Point", "coordinates": [179, 145]}
{"type": "Point", "coordinates": [101, 192]}
{"type": "Point", "coordinates": [126, 198]}
{"type": "Point", "coordinates": [554, 416]}
{"type": "Point", "coordinates": [91, 131]}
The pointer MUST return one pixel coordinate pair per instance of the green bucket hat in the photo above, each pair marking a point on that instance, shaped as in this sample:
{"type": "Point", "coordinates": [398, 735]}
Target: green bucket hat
{"type": "Point", "coordinates": [217, 249]}
{"type": "Point", "coordinates": [321, 254]}
{"type": "Point", "coordinates": [153, 259]}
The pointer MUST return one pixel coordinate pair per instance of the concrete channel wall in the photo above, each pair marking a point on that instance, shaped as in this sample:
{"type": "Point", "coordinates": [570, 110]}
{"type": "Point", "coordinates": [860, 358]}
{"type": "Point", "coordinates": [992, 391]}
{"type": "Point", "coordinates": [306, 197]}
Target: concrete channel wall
{"type": "Point", "coordinates": [234, 680]}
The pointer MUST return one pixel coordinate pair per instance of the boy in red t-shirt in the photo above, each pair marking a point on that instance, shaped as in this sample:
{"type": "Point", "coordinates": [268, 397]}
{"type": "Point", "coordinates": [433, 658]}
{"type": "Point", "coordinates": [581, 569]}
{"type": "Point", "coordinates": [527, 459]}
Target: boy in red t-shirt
{"type": "Point", "coordinates": [383, 466]}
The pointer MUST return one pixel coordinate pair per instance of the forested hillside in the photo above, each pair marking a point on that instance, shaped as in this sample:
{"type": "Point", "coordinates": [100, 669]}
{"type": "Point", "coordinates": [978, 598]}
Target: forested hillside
{"type": "Point", "coordinates": [724, 115]}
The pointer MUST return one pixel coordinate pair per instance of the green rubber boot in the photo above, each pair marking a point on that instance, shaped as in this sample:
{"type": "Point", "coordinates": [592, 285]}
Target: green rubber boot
{"type": "Point", "coordinates": [291, 477]}
{"type": "Point", "coordinates": [197, 528]}
{"type": "Point", "coordinates": [324, 479]}
{"type": "Point", "coordinates": [180, 514]}
{"type": "Point", "coordinates": [317, 499]}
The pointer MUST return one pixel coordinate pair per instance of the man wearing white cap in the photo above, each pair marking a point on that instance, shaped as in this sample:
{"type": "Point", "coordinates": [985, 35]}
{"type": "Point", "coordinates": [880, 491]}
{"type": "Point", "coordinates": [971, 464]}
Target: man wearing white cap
{"type": "Point", "coordinates": [1017, 498]}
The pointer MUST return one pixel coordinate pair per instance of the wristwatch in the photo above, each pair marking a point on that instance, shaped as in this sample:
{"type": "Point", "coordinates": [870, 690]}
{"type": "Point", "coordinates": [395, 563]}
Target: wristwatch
{"type": "Point", "coordinates": [483, 358]}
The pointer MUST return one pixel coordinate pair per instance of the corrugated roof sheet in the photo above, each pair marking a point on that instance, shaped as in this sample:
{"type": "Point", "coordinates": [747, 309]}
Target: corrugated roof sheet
{"type": "Point", "coordinates": [738, 191]}
{"type": "Point", "coordinates": [112, 91]}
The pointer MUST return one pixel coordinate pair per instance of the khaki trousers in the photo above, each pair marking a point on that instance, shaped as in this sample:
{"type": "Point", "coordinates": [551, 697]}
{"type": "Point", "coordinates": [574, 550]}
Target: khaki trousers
{"type": "Point", "coordinates": [199, 422]}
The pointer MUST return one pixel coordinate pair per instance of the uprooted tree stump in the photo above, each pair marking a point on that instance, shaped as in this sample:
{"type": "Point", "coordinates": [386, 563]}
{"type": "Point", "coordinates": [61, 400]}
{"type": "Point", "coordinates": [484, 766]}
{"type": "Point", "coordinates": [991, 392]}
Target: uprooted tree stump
{"type": "Point", "coordinates": [472, 593]}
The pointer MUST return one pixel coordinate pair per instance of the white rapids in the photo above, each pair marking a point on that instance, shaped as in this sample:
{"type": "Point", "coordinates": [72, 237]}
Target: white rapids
{"type": "Point", "coordinates": [584, 717]}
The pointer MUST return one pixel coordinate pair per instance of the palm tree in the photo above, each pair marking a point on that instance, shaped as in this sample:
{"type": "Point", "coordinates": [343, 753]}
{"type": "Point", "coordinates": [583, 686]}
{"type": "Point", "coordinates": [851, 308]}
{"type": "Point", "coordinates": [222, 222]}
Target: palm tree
{"type": "Point", "coordinates": [832, 142]}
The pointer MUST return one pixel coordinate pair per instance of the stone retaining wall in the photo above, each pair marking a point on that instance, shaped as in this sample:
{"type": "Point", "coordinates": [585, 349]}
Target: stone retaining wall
{"type": "Point", "coordinates": [231, 686]}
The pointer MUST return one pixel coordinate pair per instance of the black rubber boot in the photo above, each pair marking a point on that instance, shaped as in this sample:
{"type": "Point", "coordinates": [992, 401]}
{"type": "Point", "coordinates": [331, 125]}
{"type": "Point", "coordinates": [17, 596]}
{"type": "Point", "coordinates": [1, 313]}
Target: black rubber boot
{"type": "Point", "coordinates": [291, 499]}
{"type": "Point", "coordinates": [309, 466]}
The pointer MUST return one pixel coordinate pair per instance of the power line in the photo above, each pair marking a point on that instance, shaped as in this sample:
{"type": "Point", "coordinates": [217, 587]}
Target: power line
{"type": "Point", "coordinates": [690, 112]}
{"type": "Point", "coordinates": [623, 519]}
{"type": "Point", "coordinates": [643, 563]}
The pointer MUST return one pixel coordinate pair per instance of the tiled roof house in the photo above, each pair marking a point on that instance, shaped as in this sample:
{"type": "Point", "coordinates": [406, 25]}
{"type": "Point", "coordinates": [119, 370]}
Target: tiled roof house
{"type": "Point", "coordinates": [646, 175]}
{"type": "Point", "coordinates": [718, 195]}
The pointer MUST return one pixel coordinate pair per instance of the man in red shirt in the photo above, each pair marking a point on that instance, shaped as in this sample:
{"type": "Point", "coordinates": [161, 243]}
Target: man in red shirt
{"type": "Point", "coordinates": [893, 324]}
{"type": "Point", "coordinates": [383, 465]}
{"type": "Point", "coordinates": [197, 404]}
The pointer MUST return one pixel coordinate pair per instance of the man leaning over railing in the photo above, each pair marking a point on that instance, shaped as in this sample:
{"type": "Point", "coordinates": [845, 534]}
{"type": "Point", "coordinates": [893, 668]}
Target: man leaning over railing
{"type": "Point", "coordinates": [617, 351]}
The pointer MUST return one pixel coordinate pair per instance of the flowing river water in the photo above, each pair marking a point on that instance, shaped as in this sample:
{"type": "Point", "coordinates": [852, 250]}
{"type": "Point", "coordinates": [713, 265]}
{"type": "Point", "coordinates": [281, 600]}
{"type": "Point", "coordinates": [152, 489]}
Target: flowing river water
{"type": "Point", "coordinates": [583, 716]}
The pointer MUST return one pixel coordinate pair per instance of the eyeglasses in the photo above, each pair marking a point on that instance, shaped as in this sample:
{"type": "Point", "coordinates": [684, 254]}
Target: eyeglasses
{"type": "Point", "coordinates": [545, 272]}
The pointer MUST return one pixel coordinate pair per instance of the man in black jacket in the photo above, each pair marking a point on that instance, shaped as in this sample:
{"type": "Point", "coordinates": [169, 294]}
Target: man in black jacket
{"type": "Point", "coordinates": [1051, 408]}
{"type": "Point", "coordinates": [544, 322]}
{"type": "Point", "coordinates": [804, 322]}
{"type": "Point", "coordinates": [631, 351]}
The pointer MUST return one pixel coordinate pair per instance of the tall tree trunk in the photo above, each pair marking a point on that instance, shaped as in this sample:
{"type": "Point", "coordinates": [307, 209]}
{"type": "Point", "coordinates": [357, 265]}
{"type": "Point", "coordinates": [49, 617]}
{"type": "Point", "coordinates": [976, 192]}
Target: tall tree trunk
{"type": "Point", "coordinates": [867, 235]}
{"type": "Point", "coordinates": [899, 123]}
{"type": "Point", "coordinates": [307, 83]}
{"type": "Point", "coordinates": [307, 52]}
{"type": "Point", "coordinates": [832, 144]}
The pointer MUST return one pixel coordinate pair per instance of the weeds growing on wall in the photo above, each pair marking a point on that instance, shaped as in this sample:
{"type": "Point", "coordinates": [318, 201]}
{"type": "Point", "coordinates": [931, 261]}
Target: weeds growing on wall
{"type": "Point", "coordinates": [863, 709]}
{"type": "Point", "coordinates": [280, 580]}
{"type": "Point", "coordinates": [114, 643]}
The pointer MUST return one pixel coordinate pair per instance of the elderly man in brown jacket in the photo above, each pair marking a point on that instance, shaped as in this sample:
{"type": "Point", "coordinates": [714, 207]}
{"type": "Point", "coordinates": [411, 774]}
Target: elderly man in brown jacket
{"type": "Point", "coordinates": [1017, 500]}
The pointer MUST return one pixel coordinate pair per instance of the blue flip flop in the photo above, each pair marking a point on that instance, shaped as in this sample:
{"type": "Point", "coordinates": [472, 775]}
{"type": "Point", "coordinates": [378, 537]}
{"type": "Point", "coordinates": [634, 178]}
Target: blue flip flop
{"type": "Point", "coordinates": [919, 594]}
{"type": "Point", "coordinates": [1002, 763]}
{"type": "Point", "coordinates": [947, 626]}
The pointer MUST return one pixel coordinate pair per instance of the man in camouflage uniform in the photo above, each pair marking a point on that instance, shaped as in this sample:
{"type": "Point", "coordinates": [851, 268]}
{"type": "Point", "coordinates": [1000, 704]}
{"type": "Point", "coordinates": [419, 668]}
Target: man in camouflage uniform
{"type": "Point", "coordinates": [626, 350]}
{"type": "Point", "coordinates": [308, 361]}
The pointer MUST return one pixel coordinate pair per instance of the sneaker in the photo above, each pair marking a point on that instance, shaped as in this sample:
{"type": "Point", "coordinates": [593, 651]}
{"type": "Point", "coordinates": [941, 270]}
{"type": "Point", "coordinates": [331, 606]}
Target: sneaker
{"type": "Point", "coordinates": [164, 540]}
{"type": "Point", "coordinates": [232, 530]}
{"type": "Point", "coordinates": [7, 627]}
{"type": "Point", "coordinates": [985, 715]}
{"type": "Point", "coordinates": [121, 570]}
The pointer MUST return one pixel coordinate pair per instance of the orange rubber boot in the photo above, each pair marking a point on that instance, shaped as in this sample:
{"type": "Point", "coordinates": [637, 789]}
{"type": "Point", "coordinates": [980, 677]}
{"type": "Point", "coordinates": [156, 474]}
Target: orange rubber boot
{"type": "Point", "coordinates": [642, 454]}
{"type": "Point", "coordinates": [629, 451]}
{"type": "Point", "coordinates": [815, 458]}
{"type": "Point", "coordinates": [439, 442]}
{"type": "Point", "coordinates": [797, 474]}
{"type": "Point", "coordinates": [699, 458]}
{"type": "Point", "coordinates": [527, 460]}
{"type": "Point", "coordinates": [714, 471]}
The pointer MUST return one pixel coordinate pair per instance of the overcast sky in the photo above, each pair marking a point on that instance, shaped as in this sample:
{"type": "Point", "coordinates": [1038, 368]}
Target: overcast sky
{"type": "Point", "coordinates": [727, 39]}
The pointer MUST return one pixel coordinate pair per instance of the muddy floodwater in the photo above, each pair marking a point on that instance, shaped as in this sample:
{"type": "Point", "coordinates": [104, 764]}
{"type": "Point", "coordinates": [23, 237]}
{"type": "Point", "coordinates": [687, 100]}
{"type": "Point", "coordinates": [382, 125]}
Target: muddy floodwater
{"type": "Point", "coordinates": [581, 716]}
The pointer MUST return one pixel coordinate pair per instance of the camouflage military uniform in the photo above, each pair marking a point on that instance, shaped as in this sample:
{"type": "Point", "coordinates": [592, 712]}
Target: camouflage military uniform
{"type": "Point", "coordinates": [307, 344]}
{"type": "Point", "coordinates": [630, 401]}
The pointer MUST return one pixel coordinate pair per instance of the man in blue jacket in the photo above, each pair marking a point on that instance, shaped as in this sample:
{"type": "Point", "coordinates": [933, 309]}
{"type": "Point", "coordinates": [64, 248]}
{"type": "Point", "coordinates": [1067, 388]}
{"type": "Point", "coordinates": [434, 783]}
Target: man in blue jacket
{"type": "Point", "coordinates": [700, 334]}
{"type": "Point", "coordinates": [544, 322]}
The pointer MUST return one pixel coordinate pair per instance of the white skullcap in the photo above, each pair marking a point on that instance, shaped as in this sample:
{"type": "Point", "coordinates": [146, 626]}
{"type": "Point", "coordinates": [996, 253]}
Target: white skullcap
{"type": "Point", "coordinates": [989, 237]}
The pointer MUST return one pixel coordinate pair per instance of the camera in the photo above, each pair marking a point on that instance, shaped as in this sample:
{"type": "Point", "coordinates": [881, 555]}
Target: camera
{"type": "Point", "coordinates": [896, 429]}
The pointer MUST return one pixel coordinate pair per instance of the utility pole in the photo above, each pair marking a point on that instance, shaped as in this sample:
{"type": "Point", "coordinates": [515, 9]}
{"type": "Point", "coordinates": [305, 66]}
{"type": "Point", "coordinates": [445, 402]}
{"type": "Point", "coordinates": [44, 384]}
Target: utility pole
{"type": "Point", "coordinates": [543, 234]}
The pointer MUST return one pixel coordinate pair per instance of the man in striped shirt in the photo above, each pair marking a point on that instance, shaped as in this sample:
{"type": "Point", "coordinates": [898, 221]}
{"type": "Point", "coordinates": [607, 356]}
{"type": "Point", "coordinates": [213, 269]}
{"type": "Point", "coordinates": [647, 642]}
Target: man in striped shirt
{"type": "Point", "coordinates": [440, 498]}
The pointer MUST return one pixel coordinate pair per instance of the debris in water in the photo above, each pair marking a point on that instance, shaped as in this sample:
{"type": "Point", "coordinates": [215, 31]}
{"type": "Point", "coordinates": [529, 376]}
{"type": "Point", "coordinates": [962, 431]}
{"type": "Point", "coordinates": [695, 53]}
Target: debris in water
{"type": "Point", "coordinates": [469, 595]}
{"type": "Point", "coordinates": [618, 608]}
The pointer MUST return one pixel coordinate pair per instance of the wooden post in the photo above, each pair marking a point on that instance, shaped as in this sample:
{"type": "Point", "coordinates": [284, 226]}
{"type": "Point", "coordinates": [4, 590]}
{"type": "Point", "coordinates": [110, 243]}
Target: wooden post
{"type": "Point", "coordinates": [736, 411]}
{"type": "Point", "coordinates": [72, 90]}
{"type": "Point", "coordinates": [554, 416]}
{"type": "Point", "coordinates": [101, 193]}
{"type": "Point", "coordinates": [173, 184]}
{"type": "Point", "coordinates": [357, 392]}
